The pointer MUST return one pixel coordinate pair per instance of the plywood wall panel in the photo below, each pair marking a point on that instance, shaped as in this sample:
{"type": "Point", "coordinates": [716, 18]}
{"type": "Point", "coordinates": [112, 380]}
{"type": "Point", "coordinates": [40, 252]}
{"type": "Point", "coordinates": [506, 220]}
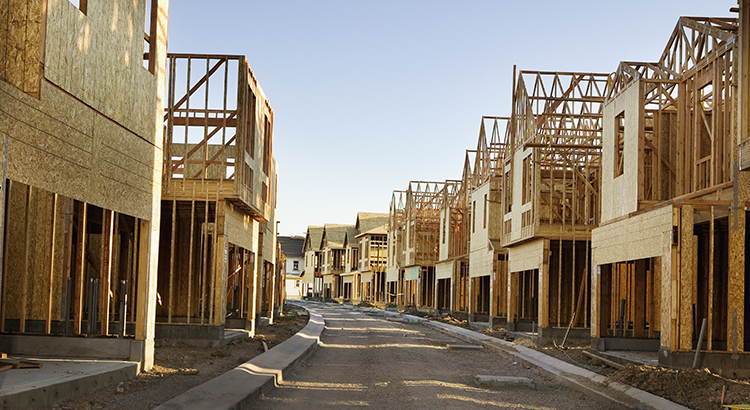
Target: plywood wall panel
{"type": "Point", "coordinates": [638, 237]}
{"type": "Point", "coordinates": [526, 256]}
{"type": "Point", "coordinates": [238, 227]}
{"type": "Point", "coordinates": [34, 46]}
{"type": "Point", "coordinates": [98, 60]}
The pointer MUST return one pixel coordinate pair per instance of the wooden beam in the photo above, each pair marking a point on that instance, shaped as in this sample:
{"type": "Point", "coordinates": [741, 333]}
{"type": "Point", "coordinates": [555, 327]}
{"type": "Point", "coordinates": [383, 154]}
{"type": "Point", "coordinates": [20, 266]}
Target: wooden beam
{"type": "Point", "coordinates": [80, 277]}
{"type": "Point", "coordinates": [171, 261]}
{"type": "Point", "coordinates": [105, 270]}
{"type": "Point", "coordinates": [51, 278]}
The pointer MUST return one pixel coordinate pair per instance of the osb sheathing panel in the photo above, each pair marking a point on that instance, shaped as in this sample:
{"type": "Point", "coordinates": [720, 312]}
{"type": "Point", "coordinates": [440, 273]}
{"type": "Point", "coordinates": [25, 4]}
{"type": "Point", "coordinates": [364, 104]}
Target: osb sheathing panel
{"type": "Point", "coordinates": [391, 274]}
{"type": "Point", "coordinates": [444, 270]}
{"type": "Point", "coordinates": [620, 195]}
{"type": "Point", "coordinates": [97, 57]}
{"type": "Point", "coordinates": [638, 237]}
{"type": "Point", "coordinates": [444, 244]}
{"type": "Point", "coordinates": [77, 152]}
{"type": "Point", "coordinates": [526, 256]}
{"type": "Point", "coordinates": [238, 227]}
{"type": "Point", "coordinates": [669, 292]}
{"type": "Point", "coordinates": [518, 208]}
{"type": "Point", "coordinates": [736, 297]}
{"type": "Point", "coordinates": [39, 258]}
{"type": "Point", "coordinates": [478, 238]}
{"type": "Point", "coordinates": [21, 43]}
{"type": "Point", "coordinates": [480, 262]}
{"type": "Point", "coordinates": [686, 278]}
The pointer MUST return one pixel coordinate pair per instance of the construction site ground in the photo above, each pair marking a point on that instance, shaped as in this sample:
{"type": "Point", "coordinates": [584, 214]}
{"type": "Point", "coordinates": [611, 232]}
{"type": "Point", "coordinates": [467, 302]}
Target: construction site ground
{"type": "Point", "coordinates": [699, 389]}
{"type": "Point", "coordinates": [178, 369]}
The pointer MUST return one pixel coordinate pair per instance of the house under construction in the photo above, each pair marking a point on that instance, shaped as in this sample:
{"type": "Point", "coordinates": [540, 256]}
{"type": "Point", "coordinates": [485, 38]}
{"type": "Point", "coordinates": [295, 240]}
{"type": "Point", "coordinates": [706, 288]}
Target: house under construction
{"type": "Point", "coordinates": [551, 199]}
{"type": "Point", "coordinates": [82, 157]}
{"type": "Point", "coordinates": [488, 260]}
{"type": "Point", "coordinates": [218, 202]}
{"type": "Point", "coordinates": [670, 253]}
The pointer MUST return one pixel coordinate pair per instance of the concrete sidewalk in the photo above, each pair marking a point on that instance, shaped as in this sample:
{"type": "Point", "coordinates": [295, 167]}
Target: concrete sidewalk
{"type": "Point", "coordinates": [58, 380]}
{"type": "Point", "coordinates": [238, 387]}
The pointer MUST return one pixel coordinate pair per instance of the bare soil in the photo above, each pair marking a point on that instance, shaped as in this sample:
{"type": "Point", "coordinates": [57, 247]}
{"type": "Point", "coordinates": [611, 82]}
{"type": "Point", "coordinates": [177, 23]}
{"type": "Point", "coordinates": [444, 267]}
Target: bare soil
{"type": "Point", "coordinates": [698, 389]}
{"type": "Point", "coordinates": [178, 369]}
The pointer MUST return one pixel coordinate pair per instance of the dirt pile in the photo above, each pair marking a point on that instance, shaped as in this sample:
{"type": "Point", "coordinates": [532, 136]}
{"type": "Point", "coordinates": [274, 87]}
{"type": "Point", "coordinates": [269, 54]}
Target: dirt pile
{"type": "Point", "coordinates": [702, 388]}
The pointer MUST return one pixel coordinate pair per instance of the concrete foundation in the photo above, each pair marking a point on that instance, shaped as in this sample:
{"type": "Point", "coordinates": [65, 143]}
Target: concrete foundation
{"type": "Point", "coordinates": [499, 322]}
{"type": "Point", "coordinates": [620, 343]}
{"type": "Point", "coordinates": [725, 364]}
{"type": "Point", "coordinates": [189, 335]}
{"type": "Point", "coordinates": [74, 347]}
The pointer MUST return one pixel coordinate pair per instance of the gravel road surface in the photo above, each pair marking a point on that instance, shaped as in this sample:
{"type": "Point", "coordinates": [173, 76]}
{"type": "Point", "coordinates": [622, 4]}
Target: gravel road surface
{"type": "Point", "coordinates": [372, 360]}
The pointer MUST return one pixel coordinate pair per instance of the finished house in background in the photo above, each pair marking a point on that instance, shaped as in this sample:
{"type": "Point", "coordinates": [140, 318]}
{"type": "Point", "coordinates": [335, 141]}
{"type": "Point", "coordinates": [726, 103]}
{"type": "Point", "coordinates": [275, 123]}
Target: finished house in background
{"type": "Point", "coordinates": [313, 276]}
{"type": "Point", "coordinates": [218, 245]}
{"type": "Point", "coordinates": [670, 251]}
{"type": "Point", "coordinates": [334, 259]}
{"type": "Point", "coordinates": [294, 265]}
{"type": "Point", "coordinates": [81, 139]}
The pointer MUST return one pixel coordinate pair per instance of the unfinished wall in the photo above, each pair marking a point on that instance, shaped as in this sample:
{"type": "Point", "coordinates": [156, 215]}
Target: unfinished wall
{"type": "Point", "coordinates": [620, 194]}
{"type": "Point", "coordinates": [638, 237]}
{"type": "Point", "coordinates": [526, 256]}
{"type": "Point", "coordinates": [110, 77]}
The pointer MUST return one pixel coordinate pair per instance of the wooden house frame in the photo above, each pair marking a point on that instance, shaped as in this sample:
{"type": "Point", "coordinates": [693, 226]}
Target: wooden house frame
{"type": "Point", "coordinates": [551, 198]}
{"type": "Point", "coordinates": [81, 144]}
{"type": "Point", "coordinates": [488, 260]}
{"type": "Point", "coordinates": [421, 239]}
{"type": "Point", "coordinates": [394, 272]}
{"type": "Point", "coordinates": [450, 289]}
{"type": "Point", "coordinates": [670, 251]}
{"type": "Point", "coordinates": [218, 202]}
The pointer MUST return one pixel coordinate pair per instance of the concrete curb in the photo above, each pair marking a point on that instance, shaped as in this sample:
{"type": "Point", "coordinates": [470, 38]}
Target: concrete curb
{"type": "Point", "coordinates": [592, 384]}
{"type": "Point", "coordinates": [240, 387]}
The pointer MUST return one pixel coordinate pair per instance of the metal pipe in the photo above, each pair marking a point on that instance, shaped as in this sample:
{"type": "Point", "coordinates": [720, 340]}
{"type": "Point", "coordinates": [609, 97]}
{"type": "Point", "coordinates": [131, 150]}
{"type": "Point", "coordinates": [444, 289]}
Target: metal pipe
{"type": "Point", "coordinates": [700, 341]}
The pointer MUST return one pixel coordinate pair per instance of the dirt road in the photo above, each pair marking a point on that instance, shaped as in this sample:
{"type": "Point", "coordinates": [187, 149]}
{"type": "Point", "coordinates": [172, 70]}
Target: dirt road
{"type": "Point", "coordinates": [371, 360]}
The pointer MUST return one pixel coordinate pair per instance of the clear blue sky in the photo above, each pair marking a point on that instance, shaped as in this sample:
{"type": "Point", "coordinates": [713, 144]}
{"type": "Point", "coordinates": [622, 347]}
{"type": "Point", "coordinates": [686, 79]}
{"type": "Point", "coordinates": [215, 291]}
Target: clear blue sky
{"type": "Point", "coordinates": [369, 95]}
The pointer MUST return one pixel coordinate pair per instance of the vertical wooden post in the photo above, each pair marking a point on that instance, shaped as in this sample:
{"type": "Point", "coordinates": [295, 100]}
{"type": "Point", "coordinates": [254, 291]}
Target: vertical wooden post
{"type": "Point", "coordinates": [51, 278]}
{"type": "Point", "coordinates": [190, 258]}
{"type": "Point", "coordinates": [686, 278]}
{"type": "Point", "coordinates": [204, 261]}
{"type": "Point", "coordinates": [172, 240]}
{"type": "Point", "coordinates": [105, 269]}
{"type": "Point", "coordinates": [142, 299]}
{"type": "Point", "coordinates": [711, 244]}
{"type": "Point", "coordinates": [543, 294]}
{"type": "Point", "coordinates": [640, 298]}
{"type": "Point", "coordinates": [67, 255]}
{"type": "Point", "coordinates": [80, 278]}
{"type": "Point", "coordinates": [27, 251]}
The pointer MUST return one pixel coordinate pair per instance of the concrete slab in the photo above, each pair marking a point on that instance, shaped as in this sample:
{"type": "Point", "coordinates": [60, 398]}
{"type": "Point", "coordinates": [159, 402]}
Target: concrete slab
{"type": "Point", "coordinates": [60, 379]}
{"type": "Point", "coordinates": [244, 384]}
